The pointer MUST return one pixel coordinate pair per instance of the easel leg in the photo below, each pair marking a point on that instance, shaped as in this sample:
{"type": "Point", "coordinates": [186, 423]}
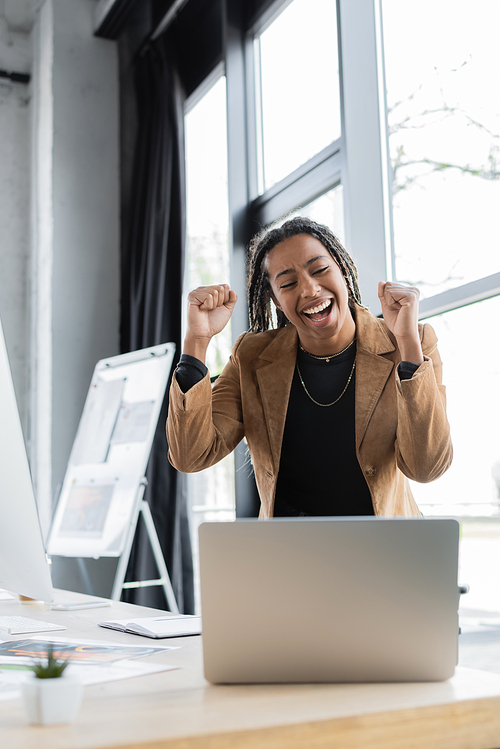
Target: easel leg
{"type": "Point", "coordinates": [121, 569]}
{"type": "Point", "coordinates": [85, 575]}
{"type": "Point", "coordinates": [158, 555]}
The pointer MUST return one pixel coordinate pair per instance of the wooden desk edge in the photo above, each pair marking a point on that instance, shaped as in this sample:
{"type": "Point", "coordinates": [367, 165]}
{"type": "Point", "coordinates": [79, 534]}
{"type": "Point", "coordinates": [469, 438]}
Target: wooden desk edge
{"type": "Point", "coordinates": [472, 723]}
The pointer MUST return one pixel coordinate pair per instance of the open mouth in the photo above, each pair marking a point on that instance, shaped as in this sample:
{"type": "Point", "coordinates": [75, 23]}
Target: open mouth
{"type": "Point", "coordinates": [320, 312]}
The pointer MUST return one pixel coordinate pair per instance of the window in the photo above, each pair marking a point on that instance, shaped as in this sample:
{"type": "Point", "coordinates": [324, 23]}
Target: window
{"type": "Point", "coordinates": [412, 189]}
{"type": "Point", "coordinates": [295, 136]}
{"type": "Point", "coordinates": [444, 136]}
{"type": "Point", "coordinates": [443, 110]}
{"type": "Point", "coordinates": [210, 492]}
{"type": "Point", "coordinates": [443, 116]}
{"type": "Point", "coordinates": [207, 210]}
{"type": "Point", "coordinates": [472, 485]}
{"type": "Point", "coordinates": [298, 88]}
{"type": "Point", "coordinates": [328, 209]}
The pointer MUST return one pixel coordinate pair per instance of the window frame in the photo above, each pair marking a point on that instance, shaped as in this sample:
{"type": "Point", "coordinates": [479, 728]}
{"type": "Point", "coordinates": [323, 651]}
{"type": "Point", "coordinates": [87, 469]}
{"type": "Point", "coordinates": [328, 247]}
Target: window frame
{"type": "Point", "coordinates": [312, 178]}
{"type": "Point", "coordinates": [478, 290]}
{"type": "Point", "coordinates": [458, 297]}
{"type": "Point", "coordinates": [359, 160]}
{"type": "Point", "coordinates": [354, 160]}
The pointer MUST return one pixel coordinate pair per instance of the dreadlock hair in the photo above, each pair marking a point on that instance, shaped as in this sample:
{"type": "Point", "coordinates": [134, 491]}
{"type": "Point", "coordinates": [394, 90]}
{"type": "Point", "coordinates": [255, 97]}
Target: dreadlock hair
{"type": "Point", "coordinates": [259, 284]}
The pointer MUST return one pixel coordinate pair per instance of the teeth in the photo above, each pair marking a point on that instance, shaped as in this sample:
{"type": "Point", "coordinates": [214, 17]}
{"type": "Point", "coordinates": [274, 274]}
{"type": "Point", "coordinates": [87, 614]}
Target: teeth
{"type": "Point", "coordinates": [319, 308]}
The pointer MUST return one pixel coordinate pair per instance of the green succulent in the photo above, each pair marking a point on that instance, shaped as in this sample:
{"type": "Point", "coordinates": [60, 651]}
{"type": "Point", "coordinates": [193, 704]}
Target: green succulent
{"type": "Point", "coordinates": [52, 668]}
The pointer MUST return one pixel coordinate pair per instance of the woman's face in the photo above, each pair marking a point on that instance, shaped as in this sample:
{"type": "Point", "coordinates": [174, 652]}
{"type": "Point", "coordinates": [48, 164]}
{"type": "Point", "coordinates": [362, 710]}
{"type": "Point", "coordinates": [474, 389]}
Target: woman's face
{"type": "Point", "coordinates": [308, 286]}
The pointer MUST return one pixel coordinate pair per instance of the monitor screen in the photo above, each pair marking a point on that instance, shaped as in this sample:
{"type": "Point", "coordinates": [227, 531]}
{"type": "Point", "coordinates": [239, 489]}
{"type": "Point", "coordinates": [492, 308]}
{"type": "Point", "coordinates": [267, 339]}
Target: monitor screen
{"type": "Point", "coordinates": [23, 563]}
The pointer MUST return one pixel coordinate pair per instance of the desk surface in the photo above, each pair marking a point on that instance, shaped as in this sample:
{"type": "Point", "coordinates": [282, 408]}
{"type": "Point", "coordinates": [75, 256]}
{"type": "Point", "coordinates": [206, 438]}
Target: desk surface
{"type": "Point", "coordinates": [180, 710]}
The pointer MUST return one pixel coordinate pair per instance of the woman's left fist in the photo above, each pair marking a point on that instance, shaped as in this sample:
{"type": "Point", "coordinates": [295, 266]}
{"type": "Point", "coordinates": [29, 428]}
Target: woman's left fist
{"type": "Point", "coordinates": [400, 310]}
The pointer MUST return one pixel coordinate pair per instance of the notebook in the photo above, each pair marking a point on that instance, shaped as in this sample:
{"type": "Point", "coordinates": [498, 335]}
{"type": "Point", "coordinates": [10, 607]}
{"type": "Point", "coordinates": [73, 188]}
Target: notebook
{"type": "Point", "coordinates": [158, 627]}
{"type": "Point", "coordinates": [329, 600]}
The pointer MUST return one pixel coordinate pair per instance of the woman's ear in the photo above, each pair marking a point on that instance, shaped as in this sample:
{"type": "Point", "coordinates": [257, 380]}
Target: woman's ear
{"type": "Point", "coordinates": [276, 304]}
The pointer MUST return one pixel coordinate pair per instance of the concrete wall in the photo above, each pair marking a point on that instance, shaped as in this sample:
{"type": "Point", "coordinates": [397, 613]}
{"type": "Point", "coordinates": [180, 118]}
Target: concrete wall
{"type": "Point", "coordinates": [59, 219]}
{"type": "Point", "coordinates": [15, 54]}
{"type": "Point", "coordinates": [76, 245]}
{"type": "Point", "coordinates": [85, 282]}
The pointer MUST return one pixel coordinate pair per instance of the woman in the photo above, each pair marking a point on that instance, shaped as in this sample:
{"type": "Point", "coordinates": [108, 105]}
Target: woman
{"type": "Point", "coordinates": [338, 407]}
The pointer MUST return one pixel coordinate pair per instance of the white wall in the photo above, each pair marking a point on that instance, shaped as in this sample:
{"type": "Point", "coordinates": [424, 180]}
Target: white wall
{"type": "Point", "coordinates": [59, 218]}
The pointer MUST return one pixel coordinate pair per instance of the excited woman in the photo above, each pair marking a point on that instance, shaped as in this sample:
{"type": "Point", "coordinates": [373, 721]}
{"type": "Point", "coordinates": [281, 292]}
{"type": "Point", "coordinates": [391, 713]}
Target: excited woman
{"type": "Point", "coordinates": [338, 407]}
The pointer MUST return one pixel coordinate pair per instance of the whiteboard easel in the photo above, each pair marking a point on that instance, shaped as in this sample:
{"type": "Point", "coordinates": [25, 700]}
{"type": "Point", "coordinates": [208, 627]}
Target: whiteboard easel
{"type": "Point", "coordinates": [101, 498]}
{"type": "Point", "coordinates": [119, 583]}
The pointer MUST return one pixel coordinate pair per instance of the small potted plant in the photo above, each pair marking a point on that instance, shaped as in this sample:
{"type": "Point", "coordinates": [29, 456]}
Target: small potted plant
{"type": "Point", "coordinates": [50, 693]}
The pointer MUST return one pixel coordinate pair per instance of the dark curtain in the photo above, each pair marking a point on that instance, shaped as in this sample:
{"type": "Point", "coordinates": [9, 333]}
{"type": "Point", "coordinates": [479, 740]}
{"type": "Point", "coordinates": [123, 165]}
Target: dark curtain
{"type": "Point", "coordinates": [152, 260]}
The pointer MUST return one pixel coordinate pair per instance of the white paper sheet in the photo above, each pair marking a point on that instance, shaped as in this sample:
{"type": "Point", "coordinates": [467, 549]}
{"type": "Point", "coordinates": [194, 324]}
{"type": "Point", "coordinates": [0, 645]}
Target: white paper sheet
{"type": "Point", "coordinates": [14, 669]}
{"type": "Point", "coordinates": [97, 423]}
{"type": "Point", "coordinates": [10, 681]}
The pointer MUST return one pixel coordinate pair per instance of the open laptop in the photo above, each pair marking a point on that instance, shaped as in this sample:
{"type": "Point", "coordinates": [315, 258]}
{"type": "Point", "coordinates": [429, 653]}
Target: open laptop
{"type": "Point", "coordinates": [329, 600]}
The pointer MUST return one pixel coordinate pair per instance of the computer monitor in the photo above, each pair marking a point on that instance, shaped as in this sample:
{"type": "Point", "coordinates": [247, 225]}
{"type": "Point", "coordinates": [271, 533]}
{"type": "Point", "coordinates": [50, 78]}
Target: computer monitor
{"type": "Point", "coordinates": [24, 565]}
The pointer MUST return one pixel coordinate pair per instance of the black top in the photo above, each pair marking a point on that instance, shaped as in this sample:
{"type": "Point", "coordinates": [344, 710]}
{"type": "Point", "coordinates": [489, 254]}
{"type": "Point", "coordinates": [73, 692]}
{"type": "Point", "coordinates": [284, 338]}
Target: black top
{"type": "Point", "coordinates": [319, 472]}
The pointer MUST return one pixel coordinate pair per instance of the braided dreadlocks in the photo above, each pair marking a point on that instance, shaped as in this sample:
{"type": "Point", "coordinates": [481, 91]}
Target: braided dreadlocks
{"type": "Point", "coordinates": [259, 285]}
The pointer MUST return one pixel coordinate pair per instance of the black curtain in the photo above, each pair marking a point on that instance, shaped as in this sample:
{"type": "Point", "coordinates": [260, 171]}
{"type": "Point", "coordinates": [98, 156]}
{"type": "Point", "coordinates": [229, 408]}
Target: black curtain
{"type": "Point", "coordinates": [152, 262]}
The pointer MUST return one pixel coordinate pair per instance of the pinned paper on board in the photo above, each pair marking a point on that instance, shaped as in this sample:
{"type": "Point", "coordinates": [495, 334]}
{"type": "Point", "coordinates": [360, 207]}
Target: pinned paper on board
{"type": "Point", "coordinates": [86, 510]}
{"type": "Point", "coordinates": [98, 422]}
{"type": "Point", "coordinates": [133, 422]}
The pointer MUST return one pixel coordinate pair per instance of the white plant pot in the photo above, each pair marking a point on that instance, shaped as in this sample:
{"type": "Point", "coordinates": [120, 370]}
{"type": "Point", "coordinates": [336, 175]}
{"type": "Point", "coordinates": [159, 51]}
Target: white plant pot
{"type": "Point", "coordinates": [52, 700]}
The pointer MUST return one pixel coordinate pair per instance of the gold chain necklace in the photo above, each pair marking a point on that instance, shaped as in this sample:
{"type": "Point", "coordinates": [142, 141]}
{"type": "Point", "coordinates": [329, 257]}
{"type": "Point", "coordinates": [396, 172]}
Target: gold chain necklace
{"type": "Point", "coordinates": [326, 405]}
{"type": "Point", "coordinates": [331, 356]}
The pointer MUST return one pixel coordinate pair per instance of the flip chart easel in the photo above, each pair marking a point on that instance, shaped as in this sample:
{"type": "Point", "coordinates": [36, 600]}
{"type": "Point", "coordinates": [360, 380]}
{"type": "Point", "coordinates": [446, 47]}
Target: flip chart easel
{"type": "Point", "coordinates": [101, 498]}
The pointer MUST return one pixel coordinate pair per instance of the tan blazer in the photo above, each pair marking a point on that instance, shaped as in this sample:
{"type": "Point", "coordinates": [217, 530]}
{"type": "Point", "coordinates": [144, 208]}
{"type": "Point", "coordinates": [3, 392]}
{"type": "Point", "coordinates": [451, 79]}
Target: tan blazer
{"type": "Point", "coordinates": [401, 426]}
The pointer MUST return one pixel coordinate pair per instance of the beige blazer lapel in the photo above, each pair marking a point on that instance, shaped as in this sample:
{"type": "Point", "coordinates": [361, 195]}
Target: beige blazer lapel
{"type": "Point", "coordinates": [372, 370]}
{"type": "Point", "coordinates": [275, 375]}
{"type": "Point", "coordinates": [277, 364]}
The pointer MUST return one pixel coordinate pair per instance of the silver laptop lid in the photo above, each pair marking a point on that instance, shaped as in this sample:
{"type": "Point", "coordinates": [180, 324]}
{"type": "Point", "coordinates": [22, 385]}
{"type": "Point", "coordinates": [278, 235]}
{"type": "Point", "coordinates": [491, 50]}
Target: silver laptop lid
{"type": "Point", "coordinates": [329, 599]}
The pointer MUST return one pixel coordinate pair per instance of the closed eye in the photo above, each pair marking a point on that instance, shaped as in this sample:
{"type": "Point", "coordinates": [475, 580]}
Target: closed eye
{"type": "Point", "coordinates": [287, 285]}
{"type": "Point", "coordinates": [321, 270]}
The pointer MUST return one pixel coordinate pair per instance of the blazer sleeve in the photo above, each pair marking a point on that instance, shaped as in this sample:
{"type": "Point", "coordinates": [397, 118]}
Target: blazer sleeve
{"type": "Point", "coordinates": [423, 443]}
{"type": "Point", "coordinates": [205, 424]}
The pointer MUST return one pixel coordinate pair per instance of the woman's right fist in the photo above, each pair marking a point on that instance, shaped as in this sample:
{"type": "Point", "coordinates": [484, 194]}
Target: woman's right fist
{"type": "Point", "coordinates": [209, 310]}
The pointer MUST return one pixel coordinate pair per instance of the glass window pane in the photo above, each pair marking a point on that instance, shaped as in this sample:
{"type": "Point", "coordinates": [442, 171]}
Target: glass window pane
{"type": "Point", "coordinates": [444, 123]}
{"type": "Point", "coordinates": [211, 492]}
{"type": "Point", "coordinates": [328, 209]}
{"type": "Point", "coordinates": [299, 99]}
{"type": "Point", "coordinates": [470, 489]}
{"type": "Point", "coordinates": [211, 499]}
{"type": "Point", "coordinates": [207, 207]}
{"type": "Point", "coordinates": [472, 484]}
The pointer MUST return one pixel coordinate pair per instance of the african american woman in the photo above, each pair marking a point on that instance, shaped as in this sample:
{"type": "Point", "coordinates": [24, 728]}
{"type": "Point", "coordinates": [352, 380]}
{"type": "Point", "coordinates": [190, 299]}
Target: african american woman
{"type": "Point", "coordinates": [339, 408]}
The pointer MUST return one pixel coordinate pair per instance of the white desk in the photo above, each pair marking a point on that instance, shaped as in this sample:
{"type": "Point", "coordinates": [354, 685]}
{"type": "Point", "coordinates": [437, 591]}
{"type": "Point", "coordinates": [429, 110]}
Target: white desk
{"type": "Point", "coordinates": [180, 710]}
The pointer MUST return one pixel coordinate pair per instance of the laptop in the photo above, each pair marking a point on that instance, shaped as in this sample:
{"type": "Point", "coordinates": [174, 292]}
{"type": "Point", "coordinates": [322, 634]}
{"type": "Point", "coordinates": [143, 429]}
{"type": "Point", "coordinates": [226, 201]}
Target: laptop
{"type": "Point", "coordinates": [329, 600]}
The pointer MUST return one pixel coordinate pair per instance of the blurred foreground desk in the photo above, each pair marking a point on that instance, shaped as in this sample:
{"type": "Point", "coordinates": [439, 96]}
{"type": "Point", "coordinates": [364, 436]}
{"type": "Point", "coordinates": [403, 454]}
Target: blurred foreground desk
{"type": "Point", "coordinates": [180, 710]}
